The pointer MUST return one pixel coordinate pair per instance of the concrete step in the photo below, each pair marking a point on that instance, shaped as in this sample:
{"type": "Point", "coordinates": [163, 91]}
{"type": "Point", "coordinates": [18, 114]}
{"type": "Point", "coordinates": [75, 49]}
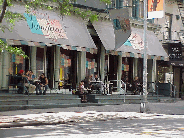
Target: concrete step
{"type": "Point", "coordinates": [126, 96]}
{"type": "Point", "coordinates": [119, 101]}
{"type": "Point", "coordinates": [46, 106]}
{"type": "Point", "coordinates": [169, 100]}
{"type": "Point", "coordinates": [33, 96]}
{"type": "Point", "coordinates": [39, 101]}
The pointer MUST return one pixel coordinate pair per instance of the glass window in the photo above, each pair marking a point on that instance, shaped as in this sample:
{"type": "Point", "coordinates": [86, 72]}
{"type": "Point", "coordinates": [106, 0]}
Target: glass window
{"type": "Point", "coordinates": [163, 72]}
{"type": "Point", "coordinates": [65, 66]}
{"type": "Point", "coordinates": [91, 64]}
{"type": "Point", "coordinates": [135, 8]}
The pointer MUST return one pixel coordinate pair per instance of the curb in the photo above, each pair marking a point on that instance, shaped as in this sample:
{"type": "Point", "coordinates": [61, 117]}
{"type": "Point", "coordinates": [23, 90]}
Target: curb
{"type": "Point", "coordinates": [46, 106]}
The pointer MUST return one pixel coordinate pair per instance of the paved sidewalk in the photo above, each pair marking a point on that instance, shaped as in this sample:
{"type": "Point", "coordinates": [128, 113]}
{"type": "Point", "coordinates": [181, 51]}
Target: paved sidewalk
{"type": "Point", "coordinates": [63, 115]}
{"type": "Point", "coordinates": [164, 119]}
{"type": "Point", "coordinates": [176, 108]}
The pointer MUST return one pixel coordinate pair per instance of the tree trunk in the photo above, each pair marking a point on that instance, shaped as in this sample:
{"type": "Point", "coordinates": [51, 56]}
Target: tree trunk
{"type": "Point", "coordinates": [4, 10]}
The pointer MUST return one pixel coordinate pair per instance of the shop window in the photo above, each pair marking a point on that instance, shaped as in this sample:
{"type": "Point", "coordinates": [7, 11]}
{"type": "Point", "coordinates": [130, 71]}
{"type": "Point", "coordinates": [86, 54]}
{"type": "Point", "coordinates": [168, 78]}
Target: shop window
{"type": "Point", "coordinates": [135, 8]}
{"type": "Point", "coordinates": [91, 64]}
{"type": "Point", "coordinates": [164, 74]}
{"type": "Point", "coordinates": [65, 67]}
{"type": "Point", "coordinates": [127, 69]}
{"type": "Point", "coordinates": [167, 26]}
{"type": "Point", "coordinates": [17, 63]}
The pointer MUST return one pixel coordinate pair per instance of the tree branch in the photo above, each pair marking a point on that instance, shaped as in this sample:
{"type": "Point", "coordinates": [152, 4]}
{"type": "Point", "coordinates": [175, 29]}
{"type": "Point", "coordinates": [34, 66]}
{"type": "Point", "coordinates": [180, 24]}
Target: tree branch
{"type": "Point", "coordinates": [3, 11]}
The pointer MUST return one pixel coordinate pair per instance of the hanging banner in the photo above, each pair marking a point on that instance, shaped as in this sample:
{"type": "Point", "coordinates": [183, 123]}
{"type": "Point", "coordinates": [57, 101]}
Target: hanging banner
{"type": "Point", "coordinates": [92, 65]}
{"type": "Point", "coordinates": [13, 57]}
{"type": "Point", "coordinates": [155, 9]}
{"type": "Point", "coordinates": [89, 65]}
{"type": "Point", "coordinates": [69, 62]}
{"type": "Point", "coordinates": [65, 63]}
{"type": "Point", "coordinates": [19, 59]}
{"type": "Point", "coordinates": [122, 66]}
{"type": "Point", "coordinates": [121, 24]}
{"type": "Point", "coordinates": [126, 67]}
{"type": "Point", "coordinates": [86, 64]}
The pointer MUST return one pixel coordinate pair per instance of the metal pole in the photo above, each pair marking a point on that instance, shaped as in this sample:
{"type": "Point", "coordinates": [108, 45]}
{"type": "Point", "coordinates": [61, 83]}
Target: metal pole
{"type": "Point", "coordinates": [143, 104]}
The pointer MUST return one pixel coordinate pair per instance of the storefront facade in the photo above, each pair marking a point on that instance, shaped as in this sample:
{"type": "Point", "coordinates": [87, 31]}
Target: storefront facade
{"type": "Point", "coordinates": [52, 49]}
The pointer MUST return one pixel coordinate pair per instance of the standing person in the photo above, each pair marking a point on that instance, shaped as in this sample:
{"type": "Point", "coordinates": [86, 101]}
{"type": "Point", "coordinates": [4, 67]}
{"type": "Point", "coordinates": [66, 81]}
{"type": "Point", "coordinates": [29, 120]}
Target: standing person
{"type": "Point", "coordinates": [43, 83]}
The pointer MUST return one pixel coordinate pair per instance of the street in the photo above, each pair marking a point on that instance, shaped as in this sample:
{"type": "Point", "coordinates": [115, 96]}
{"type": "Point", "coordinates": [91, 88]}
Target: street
{"type": "Point", "coordinates": [120, 127]}
{"type": "Point", "coordinates": [95, 121]}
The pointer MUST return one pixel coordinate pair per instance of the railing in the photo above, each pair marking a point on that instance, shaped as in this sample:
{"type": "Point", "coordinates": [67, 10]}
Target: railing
{"type": "Point", "coordinates": [173, 90]}
{"type": "Point", "coordinates": [119, 88]}
{"type": "Point", "coordinates": [154, 87]}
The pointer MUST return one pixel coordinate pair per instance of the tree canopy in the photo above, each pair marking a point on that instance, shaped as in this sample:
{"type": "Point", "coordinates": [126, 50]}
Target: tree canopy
{"type": "Point", "coordinates": [64, 6]}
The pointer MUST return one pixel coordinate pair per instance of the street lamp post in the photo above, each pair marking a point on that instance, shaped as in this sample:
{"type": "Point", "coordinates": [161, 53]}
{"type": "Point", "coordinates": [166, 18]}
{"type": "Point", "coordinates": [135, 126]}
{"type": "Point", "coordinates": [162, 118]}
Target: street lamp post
{"type": "Point", "coordinates": [144, 105]}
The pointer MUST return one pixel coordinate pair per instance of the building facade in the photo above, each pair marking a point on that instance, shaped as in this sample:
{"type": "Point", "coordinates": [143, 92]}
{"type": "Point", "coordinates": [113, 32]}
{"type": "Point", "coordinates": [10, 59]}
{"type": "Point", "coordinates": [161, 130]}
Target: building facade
{"type": "Point", "coordinates": [72, 48]}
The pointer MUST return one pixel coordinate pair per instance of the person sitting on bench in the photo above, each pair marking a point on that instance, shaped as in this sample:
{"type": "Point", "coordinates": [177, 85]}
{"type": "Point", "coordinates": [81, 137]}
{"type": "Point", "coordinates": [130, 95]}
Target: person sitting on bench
{"type": "Point", "coordinates": [82, 94]}
{"type": "Point", "coordinates": [43, 83]}
{"type": "Point", "coordinates": [23, 80]}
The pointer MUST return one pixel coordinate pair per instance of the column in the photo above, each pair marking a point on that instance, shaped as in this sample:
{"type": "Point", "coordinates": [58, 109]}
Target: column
{"type": "Point", "coordinates": [56, 68]}
{"type": "Point", "coordinates": [102, 63]}
{"type": "Point", "coordinates": [154, 71]}
{"type": "Point", "coordinates": [150, 74]}
{"type": "Point", "coordinates": [151, 77]}
{"type": "Point", "coordinates": [1, 77]}
{"type": "Point", "coordinates": [81, 70]}
{"type": "Point", "coordinates": [119, 70]}
{"type": "Point", "coordinates": [5, 67]}
{"type": "Point", "coordinates": [135, 67]}
{"type": "Point", "coordinates": [33, 59]}
{"type": "Point", "coordinates": [149, 70]}
{"type": "Point", "coordinates": [83, 63]}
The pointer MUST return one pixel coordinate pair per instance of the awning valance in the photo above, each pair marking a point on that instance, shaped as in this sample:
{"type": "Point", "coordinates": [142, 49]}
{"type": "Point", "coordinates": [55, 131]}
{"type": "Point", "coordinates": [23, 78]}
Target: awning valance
{"type": "Point", "coordinates": [49, 27]}
{"type": "Point", "coordinates": [32, 43]}
{"type": "Point", "coordinates": [135, 45]}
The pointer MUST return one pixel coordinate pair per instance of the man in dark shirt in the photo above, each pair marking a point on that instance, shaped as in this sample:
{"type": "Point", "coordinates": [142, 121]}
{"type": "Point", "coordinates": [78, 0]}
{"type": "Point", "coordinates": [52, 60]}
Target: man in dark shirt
{"type": "Point", "coordinates": [43, 83]}
{"type": "Point", "coordinates": [21, 78]}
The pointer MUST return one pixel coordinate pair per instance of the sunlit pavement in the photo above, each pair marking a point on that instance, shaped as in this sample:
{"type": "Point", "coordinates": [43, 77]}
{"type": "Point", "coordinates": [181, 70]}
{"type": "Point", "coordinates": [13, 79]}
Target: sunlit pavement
{"type": "Point", "coordinates": [91, 123]}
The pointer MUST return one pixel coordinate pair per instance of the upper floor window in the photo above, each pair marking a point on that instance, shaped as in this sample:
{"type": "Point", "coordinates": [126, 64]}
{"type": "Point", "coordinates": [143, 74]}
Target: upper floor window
{"type": "Point", "coordinates": [135, 8]}
{"type": "Point", "coordinates": [167, 26]}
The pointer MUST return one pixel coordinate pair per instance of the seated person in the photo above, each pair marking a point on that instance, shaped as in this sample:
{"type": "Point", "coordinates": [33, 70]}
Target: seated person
{"type": "Point", "coordinates": [31, 76]}
{"type": "Point", "coordinates": [81, 92]}
{"type": "Point", "coordinates": [86, 82]}
{"type": "Point", "coordinates": [97, 86]}
{"type": "Point", "coordinates": [31, 88]}
{"type": "Point", "coordinates": [43, 83]}
{"type": "Point", "coordinates": [137, 85]}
